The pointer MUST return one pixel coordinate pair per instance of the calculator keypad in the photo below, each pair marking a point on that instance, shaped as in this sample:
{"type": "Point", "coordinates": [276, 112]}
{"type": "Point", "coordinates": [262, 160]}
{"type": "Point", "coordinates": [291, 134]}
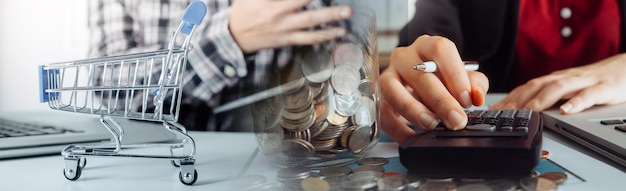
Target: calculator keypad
{"type": "Point", "coordinates": [490, 123]}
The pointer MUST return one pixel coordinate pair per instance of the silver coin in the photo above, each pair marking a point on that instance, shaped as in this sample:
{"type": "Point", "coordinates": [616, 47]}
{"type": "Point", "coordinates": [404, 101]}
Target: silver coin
{"type": "Point", "coordinates": [348, 104]}
{"type": "Point", "coordinates": [348, 53]}
{"type": "Point", "coordinates": [345, 79]}
{"type": "Point", "coordinates": [317, 66]}
{"type": "Point", "coordinates": [324, 145]}
{"type": "Point", "coordinates": [360, 139]}
{"type": "Point", "coordinates": [298, 125]}
{"type": "Point", "coordinates": [297, 148]}
{"type": "Point", "coordinates": [314, 184]}
{"type": "Point", "coordinates": [318, 128]}
{"type": "Point", "coordinates": [321, 97]}
{"type": "Point", "coordinates": [299, 115]}
{"type": "Point", "coordinates": [270, 140]}
{"type": "Point", "coordinates": [294, 172]}
{"type": "Point", "coordinates": [373, 161]}
{"type": "Point", "coordinates": [304, 135]}
{"type": "Point", "coordinates": [359, 185]}
{"type": "Point", "coordinates": [366, 114]}
{"type": "Point", "coordinates": [393, 183]}
{"type": "Point", "coordinates": [292, 86]}
{"type": "Point", "coordinates": [335, 170]}
{"type": "Point", "coordinates": [299, 100]}
{"type": "Point", "coordinates": [369, 168]}
{"type": "Point", "coordinates": [316, 90]}
{"type": "Point", "coordinates": [366, 175]}
{"type": "Point", "coordinates": [367, 88]}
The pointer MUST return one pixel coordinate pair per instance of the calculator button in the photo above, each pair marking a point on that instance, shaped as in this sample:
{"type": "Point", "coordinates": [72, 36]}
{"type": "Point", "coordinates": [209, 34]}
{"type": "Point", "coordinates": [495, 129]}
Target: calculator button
{"type": "Point", "coordinates": [521, 129]}
{"type": "Point", "coordinates": [621, 128]}
{"type": "Point", "coordinates": [506, 128]}
{"type": "Point", "coordinates": [481, 127]}
{"type": "Point", "coordinates": [477, 134]}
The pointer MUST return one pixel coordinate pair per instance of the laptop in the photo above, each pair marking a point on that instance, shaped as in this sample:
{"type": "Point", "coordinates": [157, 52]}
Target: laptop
{"type": "Point", "coordinates": [596, 128]}
{"type": "Point", "coordinates": [57, 129]}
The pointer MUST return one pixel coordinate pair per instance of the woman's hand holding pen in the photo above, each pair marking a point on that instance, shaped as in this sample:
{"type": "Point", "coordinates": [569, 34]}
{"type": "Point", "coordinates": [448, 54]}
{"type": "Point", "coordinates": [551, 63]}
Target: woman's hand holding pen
{"type": "Point", "coordinates": [600, 83]}
{"type": "Point", "coordinates": [422, 98]}
{"type": "Point", "coordinates": [262, 24]}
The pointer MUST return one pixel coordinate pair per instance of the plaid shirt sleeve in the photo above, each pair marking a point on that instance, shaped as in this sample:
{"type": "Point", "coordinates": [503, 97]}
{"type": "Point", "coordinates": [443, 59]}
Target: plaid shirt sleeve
{"type": "Point", "coordinates": [217, 69]}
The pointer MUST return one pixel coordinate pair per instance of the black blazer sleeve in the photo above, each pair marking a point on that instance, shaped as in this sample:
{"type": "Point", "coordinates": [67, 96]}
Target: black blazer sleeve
{"type": "Point", "coordinates": [482, 30]}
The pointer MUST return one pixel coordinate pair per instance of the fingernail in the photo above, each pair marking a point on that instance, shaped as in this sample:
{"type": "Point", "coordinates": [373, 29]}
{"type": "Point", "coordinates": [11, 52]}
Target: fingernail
{"type": "Point", "coordinates": [566, 107]}
{"type": "Point", "coordinates": [457, 120]}
{"type": "Point", "coordinates": [429, 121]}
{"type": "Point", "coordinates": [344, 12]}
{"type": "Point", "coordinates": [466, 100]}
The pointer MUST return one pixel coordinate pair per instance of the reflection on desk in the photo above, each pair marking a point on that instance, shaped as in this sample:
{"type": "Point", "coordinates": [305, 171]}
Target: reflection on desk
{"type": "Point", "coordinates": [222, 156]}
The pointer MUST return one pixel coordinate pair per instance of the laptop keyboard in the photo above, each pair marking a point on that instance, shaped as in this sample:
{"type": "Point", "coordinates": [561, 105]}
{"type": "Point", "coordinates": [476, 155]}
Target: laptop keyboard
{"type": "Point", "coordinates": [618, 122]}
{"type": "Point", "coordinates": [10, 128]}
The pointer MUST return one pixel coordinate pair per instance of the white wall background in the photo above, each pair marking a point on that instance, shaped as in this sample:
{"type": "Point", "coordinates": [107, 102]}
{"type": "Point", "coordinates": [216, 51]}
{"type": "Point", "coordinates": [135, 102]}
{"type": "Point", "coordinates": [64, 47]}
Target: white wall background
{"type": "Point", "coordinates": [32, 33]}
{"type": "Point", "coordinates": [37, 32]}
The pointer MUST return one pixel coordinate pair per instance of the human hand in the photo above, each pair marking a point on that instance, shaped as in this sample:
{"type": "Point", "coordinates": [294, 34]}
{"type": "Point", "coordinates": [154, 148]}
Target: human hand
{"type": "Point", "coordinates": [261, 24]}
{"type": "Point", "coordinates": [420, 98]}
{"type": "Point", "coordinates": [599, 83]}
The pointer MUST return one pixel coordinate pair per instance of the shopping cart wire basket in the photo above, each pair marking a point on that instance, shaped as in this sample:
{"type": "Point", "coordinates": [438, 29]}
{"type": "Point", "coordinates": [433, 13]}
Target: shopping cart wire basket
{"type": "Point", "coordinates": [140, 86]}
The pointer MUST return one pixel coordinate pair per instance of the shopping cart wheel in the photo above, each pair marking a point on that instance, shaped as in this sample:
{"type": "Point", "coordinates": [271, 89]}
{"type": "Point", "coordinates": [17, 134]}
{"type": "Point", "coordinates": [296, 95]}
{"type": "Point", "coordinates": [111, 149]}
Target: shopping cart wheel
{"type": "Point", "coordinates": [175, 163]}
{"type": "Point", "coordinates": [82, 161]}
{"type": "Point", "coordinates": [73, 169]}
{"type": "Point", "coordinates": [188, 179]}
{"type": "Point", "coordinates": [72, 174]}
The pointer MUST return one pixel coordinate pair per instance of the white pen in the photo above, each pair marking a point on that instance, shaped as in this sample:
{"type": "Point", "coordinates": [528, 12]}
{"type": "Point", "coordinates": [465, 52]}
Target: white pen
{"type": "Point", "coordinates": [430, 66]}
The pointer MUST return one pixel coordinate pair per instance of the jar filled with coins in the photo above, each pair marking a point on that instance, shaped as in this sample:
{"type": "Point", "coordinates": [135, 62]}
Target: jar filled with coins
{"type": "Point", "coordinates": [327, 108]}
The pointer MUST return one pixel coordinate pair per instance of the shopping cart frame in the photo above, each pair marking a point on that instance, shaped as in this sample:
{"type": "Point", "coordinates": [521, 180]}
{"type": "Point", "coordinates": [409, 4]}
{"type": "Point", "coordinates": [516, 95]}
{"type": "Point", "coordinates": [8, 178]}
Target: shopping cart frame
{"type": "Point", "coordinates": [64, 87]}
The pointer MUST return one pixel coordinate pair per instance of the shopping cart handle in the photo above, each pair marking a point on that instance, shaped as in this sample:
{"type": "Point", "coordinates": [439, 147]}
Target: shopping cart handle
{"type": "Point", "coordinates": [193, 16]}
{"type": "Point", "coordinates": [46, 81]}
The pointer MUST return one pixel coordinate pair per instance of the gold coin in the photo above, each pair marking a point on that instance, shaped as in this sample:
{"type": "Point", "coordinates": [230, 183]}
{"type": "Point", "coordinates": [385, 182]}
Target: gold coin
{"type": "Point", "coordinates": [337, 119]}
{"type": "Point", "coordinates": [320, 110]}
{"type": "Point", "coordinates": [345, 136]}
{"type": "Point", "coordinates": [543, 184]}
{"type": "Point", "coordinates": [314, 184]}
{"type": "Point", "coordinates": [556, 177]}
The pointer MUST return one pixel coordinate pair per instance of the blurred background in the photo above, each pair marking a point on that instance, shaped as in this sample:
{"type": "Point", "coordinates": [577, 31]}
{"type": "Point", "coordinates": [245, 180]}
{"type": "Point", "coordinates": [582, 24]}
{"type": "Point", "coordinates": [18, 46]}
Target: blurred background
{"type": "Point", "coordinates": [39, 32]}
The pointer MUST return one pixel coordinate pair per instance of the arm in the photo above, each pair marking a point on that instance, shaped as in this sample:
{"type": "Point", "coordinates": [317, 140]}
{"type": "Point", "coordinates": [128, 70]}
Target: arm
{"type": "Point", "coordinates": [238, 30]}
{"type": "Point", "coordinates": [599, 83]}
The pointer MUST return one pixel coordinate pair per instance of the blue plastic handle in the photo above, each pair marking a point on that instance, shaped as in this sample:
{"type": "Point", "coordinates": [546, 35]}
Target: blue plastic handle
{"type": "Point", "coordinates": [193, 16]}
{"type": "Point", "coordinates": [46, 79]}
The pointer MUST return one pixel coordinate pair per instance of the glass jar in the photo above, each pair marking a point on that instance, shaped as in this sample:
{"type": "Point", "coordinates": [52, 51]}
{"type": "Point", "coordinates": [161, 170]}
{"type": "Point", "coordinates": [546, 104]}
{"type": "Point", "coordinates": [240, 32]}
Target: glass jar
{"type": "Point", "coordinates": [327, 108]}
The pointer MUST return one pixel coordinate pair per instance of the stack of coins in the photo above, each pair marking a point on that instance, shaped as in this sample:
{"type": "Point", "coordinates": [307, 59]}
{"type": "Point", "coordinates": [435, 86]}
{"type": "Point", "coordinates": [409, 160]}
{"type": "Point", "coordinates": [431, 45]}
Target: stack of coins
{"type": "Point", "coordinates": [328, 110]}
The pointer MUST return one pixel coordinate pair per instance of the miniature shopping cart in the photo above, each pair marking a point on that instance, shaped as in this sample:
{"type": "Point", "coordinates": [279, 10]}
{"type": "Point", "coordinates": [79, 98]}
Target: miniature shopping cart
{"type": "Point", "coordinates": [141, 86]}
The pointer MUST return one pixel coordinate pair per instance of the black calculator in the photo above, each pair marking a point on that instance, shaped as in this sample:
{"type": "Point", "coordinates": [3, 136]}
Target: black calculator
{"type": "Point", "coordinates": [494, 144]}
